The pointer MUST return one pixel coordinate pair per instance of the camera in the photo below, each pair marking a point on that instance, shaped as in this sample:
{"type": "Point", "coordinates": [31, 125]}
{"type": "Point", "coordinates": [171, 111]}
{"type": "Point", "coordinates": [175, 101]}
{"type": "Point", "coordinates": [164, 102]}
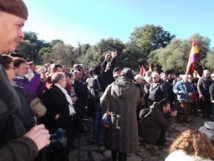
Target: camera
{"type": "Point", "coordinates": [58, 141]}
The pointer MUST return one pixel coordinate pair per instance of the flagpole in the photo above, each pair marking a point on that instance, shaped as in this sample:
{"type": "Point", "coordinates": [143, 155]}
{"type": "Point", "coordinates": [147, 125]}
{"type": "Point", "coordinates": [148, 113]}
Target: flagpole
{"type": "Point", "coordinates": [202, 65]}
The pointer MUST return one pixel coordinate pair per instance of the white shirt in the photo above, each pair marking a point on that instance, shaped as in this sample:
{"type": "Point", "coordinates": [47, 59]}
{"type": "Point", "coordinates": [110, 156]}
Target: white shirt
{"type": "Point", "coordinates": [179, 155]}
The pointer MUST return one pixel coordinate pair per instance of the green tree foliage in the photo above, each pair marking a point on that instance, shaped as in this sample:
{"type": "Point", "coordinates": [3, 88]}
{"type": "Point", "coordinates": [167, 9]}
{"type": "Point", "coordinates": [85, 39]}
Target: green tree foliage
{"type": "Point", "coordinates": [56, 41]}
{"type": "Point", "coordinates": [83, 48]}
{"type": "Point", "coordinates": [91, 58]}
{"type": "Point", "coordinates": [203, 44]}
{"type": "Point", "coordinates": [144, 40]}
{"type": "Point", "coordinates": [132, 58]}
{"type": "Point", "coordinates": [29, 50]}
{"type": "Point", "coordinates": [175, 56]}
{"type": "Point", "coordinates": [30, 46]}
{"type": "Point", "coordinates": [209, 59]}
{"type": "Point", "coordinates": [147, 44]}
{"type": "Point", "coordinates": [60, 54]}
{"type": "Point", "coordinates": [150, 37]}
{"type": "Point", "coordinates": [95, 54]}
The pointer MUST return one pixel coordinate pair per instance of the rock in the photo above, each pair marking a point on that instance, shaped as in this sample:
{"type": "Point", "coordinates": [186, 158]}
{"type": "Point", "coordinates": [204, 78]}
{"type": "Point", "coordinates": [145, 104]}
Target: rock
{"type": "Point", "coordinates": [147, 152]}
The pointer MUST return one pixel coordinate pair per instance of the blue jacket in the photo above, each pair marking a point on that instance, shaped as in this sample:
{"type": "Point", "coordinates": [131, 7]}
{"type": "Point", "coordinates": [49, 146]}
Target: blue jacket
{"type": "Point", "coordinates": [180, 86]}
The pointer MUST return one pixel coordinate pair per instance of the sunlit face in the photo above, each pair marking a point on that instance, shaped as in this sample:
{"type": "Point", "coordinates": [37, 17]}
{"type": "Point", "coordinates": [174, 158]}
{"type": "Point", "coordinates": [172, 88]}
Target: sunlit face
{"type": "Point", "coordinates": [164, 76]}
{"type": "Point", "coordinates": [185, 78]}
{"type": "Point", "coordinates": [78, 76]}
{"type": "Point", "coordinates": [69, 80]}
{"type": "Point", "coordinates": [10, 32]}
{"type": "Point", "coordinates": [155, 79]}
{"type": "Point", "coordinates": [59, 69]}
{"type": "Point", "coordinates": [21, 70]}
{"type": "Point", "coordinates": [166, 108]}
{"type": "Point", "coordinates": [206, 73]}
{"type": "Point", "coordinates": [10, 72]}
{"type": "Point", "coordinates": [32, 67]}
{"type": "Point", "coordinates": [139, 80]}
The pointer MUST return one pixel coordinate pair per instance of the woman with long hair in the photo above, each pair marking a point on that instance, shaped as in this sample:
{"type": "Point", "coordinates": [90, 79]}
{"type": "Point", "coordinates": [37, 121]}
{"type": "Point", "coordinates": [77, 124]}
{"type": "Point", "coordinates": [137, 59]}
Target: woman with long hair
{"type": "Point", "coordinates": [191, 145]}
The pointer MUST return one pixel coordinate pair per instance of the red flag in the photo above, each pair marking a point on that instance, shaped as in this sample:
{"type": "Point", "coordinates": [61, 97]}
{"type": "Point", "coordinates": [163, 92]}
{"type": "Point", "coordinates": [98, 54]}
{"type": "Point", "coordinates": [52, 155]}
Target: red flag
{"type": "Point", "coordinates": [142, 70]}
{"type": "Point", "coordinates": [194, 57]}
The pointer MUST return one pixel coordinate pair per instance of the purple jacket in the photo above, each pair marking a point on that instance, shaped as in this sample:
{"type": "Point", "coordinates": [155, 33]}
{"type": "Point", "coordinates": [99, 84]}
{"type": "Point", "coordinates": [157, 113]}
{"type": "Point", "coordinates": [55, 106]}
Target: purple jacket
{"type": "Point", "coordinates": [31, 88]}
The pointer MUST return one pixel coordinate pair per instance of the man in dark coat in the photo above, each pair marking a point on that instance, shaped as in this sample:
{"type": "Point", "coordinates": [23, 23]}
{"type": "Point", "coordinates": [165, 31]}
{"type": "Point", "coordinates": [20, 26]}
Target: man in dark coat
{"type": "Point", "coordinates": [157, 90]}
{"type": "Point", "coordinates": [16, 141]}
{"type": "Point", "coordinates": [203, 86]}
{"type": "Point", "coordinates": [211, 91]}
{"type": "Point", "coordinates": [122, 135]}
{"type": "Point", "coordinates": [82, 98]}
{"type": "Point", "coordinates": [108, 65]}
{"type": "Point", "coordinates": [153, 125]}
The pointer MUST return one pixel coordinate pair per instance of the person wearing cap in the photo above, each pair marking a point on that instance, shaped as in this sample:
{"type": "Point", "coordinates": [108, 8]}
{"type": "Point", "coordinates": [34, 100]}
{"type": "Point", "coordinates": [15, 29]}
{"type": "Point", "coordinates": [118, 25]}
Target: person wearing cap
{"type": "Point", "coordinates": [123, 96]}
{"type": "Point", "coordinates": [16, 142]}
{"type": "Point", "coordinates": [211, 91]}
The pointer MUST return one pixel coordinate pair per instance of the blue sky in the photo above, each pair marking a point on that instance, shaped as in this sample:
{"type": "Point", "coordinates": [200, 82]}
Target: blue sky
{"type": "Point", "coordinates": [87, 21]}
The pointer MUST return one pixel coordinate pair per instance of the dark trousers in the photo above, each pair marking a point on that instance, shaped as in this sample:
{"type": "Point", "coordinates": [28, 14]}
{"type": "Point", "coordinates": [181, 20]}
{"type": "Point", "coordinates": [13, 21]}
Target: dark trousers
{"type": "Point", "coordinates": [213, 111]}
{"type": "Point", "coordinates": [98, 129]}
{"type": "Point", "coordinates": [206, 107]}
{"type": "Point", "coordinates": [116, 156]}
{"type": "Point", "coordinates": [186, 107]}
{"type": "Point", "coordinates": [162, 138]}
{"type": "Point", "coordinates": [194, 108]}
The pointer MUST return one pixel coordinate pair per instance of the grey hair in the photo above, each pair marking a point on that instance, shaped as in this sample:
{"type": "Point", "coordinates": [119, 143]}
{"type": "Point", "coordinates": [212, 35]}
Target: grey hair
{"type": "Point", "coordinates": [56, 77]}
{"type": "Point", "coordinates": [206, 71]}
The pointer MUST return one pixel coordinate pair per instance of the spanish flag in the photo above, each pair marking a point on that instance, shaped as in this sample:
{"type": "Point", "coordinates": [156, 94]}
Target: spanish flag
{"type": "Point", "coordinates": [194, 57]}
{"type": "Point", "coordinates": [142, 71]}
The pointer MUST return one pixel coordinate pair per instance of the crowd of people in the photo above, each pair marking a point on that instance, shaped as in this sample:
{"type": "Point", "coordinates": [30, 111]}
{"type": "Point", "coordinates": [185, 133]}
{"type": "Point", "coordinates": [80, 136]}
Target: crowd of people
{"type": "Point", "coordinates": [35, 103]}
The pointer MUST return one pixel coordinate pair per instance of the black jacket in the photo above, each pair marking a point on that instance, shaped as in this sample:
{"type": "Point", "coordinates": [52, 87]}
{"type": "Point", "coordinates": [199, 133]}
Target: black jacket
{"type": "Point", "coordinates": [56, 103]}
{"type": "Point", "coordinates": [81, 93]}
{"type": "Point", "coordinates": [12, 145]}
{"type": "Point", "coordinates": [151, 125]}
{"type": "Point", "coordinates": [158, 91]}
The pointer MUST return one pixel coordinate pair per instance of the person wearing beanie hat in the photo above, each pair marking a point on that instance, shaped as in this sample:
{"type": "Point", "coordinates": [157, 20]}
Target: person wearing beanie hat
{"type": "Point", "coordinates": [15, 7]}
{"type": "Point", "coordinates": [123, 97]}
{"type": "Point", "coordinates": [18, 141]}
{"type": "Point", "coordinates": [13, 14]}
